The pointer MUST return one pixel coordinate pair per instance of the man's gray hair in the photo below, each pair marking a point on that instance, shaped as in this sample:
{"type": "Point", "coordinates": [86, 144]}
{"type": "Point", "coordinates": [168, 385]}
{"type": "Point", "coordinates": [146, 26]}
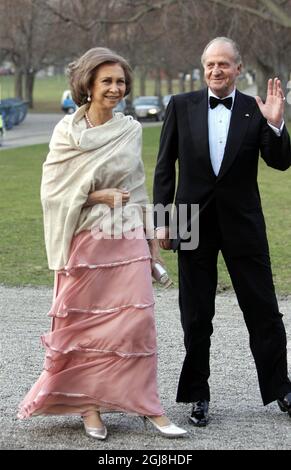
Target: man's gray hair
{"type": "Point", "coordinates": [237, 56]}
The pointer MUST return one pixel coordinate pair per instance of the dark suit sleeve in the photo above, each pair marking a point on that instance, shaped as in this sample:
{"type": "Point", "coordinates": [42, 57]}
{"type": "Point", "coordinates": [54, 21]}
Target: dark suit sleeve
{"type": "Point", "coordinates": [276, 151]}
{"type": "Point", "coordinates": [165, 173]}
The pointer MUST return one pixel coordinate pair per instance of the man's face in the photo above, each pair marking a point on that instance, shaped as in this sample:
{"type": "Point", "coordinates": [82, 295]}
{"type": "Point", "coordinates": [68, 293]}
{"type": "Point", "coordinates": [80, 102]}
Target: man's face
{"type": "Point", "coordinates": [220, 68]}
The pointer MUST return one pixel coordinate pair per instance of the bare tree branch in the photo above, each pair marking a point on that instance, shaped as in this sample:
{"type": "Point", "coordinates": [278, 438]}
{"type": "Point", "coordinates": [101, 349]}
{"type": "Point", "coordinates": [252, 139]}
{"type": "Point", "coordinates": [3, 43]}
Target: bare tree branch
{"type": "Point", "coordinates": [279, 13]}
{"type": "Point", "coordinates": [148, 8]}
{"type": "Point", "coordinates": [274, 13]}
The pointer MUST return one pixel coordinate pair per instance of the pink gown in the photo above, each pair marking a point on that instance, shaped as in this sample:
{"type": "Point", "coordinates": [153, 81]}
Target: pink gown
{"type": "Point", "coordinates": [101, 352]}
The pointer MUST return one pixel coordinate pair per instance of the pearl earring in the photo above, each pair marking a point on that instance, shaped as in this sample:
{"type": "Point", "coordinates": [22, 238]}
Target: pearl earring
{"type": "Point", "coordinates": [88, 98]}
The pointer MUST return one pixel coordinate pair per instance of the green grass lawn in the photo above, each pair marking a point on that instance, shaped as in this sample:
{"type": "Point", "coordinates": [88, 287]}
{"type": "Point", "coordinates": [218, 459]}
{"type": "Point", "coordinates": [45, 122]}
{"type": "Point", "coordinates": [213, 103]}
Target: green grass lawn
{"type": "Point", "coordinates": [22, 251]}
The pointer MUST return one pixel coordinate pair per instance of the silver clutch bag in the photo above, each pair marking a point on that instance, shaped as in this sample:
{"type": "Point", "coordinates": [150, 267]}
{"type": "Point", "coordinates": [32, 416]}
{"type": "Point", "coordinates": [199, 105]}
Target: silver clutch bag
{"type": "Point", "coordinates": [160, 275]}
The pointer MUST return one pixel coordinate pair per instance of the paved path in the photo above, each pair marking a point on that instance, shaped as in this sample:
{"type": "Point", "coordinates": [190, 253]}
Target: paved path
{"type": "Point", "coordinates": [238, 418]}
{"type": "Point", "coordinates": [37, 129]}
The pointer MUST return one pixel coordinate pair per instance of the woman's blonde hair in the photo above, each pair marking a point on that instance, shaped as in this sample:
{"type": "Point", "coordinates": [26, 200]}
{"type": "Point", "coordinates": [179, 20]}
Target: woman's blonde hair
{"type": "Point", "coordinates": [82, 72]}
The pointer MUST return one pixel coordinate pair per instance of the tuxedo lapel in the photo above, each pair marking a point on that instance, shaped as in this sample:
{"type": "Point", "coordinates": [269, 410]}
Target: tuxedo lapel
{"type": "Point", "coordinates": [198, 121]}
{"type": "Point", "coordinates": [240, 119]}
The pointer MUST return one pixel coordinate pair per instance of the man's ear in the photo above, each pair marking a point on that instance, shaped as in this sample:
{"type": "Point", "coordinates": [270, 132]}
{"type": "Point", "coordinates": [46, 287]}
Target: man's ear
{"type": "Point", "coordinates": [239, 69]}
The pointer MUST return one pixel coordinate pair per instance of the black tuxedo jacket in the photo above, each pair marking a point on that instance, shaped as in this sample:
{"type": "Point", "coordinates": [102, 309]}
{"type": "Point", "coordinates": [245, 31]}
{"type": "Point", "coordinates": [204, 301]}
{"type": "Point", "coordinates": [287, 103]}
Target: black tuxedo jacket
{"type": "Point", "coordinates": [230, 206]}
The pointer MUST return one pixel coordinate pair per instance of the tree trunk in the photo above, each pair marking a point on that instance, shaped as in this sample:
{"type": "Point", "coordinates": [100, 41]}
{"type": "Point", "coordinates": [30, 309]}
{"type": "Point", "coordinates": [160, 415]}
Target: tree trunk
{"type": "Point", "coordinates": [192, 83]}
{"type": "Point", "coordinates": [202, 81]}
{"type": "Point", "coordinates": [18, 84]}
{"type": "Point", "coordinates": [130, 96]}
{"type": "Point", "coordinates": [142, 82]}
{"type": "Point", "coordinates": [169, 85]}
{"type": "Point", "coordinates": [158, 88]}
{"type": "Point", "coordinates": [263, 73]}
{"type": "Point", "coordinates": [29, 84]}
{"type": "Point", "coordinates": [181, 82]}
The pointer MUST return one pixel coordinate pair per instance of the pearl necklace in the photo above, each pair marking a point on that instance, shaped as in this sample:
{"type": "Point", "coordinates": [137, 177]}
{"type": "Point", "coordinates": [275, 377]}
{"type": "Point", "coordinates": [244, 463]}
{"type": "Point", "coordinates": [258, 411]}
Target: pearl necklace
{"type": "Point", "coordinates": [88, 121]}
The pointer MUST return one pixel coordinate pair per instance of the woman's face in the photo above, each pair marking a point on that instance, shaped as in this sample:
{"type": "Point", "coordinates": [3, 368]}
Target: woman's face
{"type": "Point", "coordinates": [108, 87]}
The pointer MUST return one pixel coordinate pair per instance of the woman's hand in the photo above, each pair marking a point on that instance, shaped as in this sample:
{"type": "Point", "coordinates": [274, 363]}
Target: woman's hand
{"type": "Point", "coordinates": [155, 252]}
{"type": "Point", "coordinates": [112, 197]}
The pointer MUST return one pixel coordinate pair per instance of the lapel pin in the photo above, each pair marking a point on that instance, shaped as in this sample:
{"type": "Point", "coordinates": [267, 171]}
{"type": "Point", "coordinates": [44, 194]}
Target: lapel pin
{"type": "Point", "coordinates": [247, 115]}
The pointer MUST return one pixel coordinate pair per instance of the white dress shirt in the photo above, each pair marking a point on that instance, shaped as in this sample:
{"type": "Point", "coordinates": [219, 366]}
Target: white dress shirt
{"type": "Point", "coordinates": [218, 126]}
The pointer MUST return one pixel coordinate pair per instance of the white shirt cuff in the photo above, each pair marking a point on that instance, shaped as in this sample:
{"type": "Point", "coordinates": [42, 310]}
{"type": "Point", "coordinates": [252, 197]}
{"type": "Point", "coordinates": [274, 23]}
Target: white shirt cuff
{"type": "Point", "coordinates": [278, 131]}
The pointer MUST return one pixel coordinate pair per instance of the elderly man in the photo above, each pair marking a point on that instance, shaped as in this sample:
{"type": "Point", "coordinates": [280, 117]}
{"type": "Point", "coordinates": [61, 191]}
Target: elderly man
{"type": "Point", "coordinates": [216, 134]}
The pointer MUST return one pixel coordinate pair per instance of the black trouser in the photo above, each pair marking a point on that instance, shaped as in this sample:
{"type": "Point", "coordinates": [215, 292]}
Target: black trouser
{"type": "Point", "coordinates": [252, 281]}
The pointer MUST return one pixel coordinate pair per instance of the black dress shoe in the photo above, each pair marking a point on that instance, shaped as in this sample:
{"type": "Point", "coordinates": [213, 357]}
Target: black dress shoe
{"type": "Point", "coordinates": [199, 415]}
{"type": "Point", "coordinates": [285, 403]}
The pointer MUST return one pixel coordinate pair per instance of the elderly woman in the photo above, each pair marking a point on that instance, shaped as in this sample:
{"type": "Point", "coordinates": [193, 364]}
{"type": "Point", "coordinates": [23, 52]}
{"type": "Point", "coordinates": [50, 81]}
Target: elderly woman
{"type": "Point", "coordinates": [101, 351]}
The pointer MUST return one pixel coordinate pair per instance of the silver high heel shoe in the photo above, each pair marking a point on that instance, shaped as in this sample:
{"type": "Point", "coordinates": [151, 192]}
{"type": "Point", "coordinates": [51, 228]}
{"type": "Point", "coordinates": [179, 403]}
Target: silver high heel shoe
{"type": "Point", "coordinates": [169, 430]}
{"type": "Point", "coordinates": [96, 433]}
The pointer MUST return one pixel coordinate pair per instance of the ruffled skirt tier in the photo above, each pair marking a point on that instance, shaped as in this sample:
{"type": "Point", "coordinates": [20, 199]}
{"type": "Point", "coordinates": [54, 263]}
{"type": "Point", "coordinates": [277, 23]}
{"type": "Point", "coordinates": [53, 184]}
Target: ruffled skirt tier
{"type": "Point", "coordinates": [101, 352]}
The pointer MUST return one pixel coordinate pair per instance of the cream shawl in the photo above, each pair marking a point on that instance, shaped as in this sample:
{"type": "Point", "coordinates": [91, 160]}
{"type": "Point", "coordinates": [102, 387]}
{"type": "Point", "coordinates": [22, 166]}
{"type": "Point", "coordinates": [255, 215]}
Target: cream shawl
{"type": "Point", "coordinates": [82, 160]}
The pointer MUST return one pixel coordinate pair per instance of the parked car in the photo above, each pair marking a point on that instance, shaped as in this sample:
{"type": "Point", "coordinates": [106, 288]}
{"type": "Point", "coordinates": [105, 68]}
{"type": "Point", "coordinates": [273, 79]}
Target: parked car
{"type": "Point", "coordinates": [67, 103]}
{"type": "Point", "coordinates": [13, 111]}
{"type": "Point", "coordinates": [125, 106]}
{"type": "Point", "coordinates": [149, 107]}
{"type": "Point", "coordinates": [1, 129]}
{"type": "Point", "coordinates": [166, 100]}
{"type": "Point", "coordinates": [6, 71]}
